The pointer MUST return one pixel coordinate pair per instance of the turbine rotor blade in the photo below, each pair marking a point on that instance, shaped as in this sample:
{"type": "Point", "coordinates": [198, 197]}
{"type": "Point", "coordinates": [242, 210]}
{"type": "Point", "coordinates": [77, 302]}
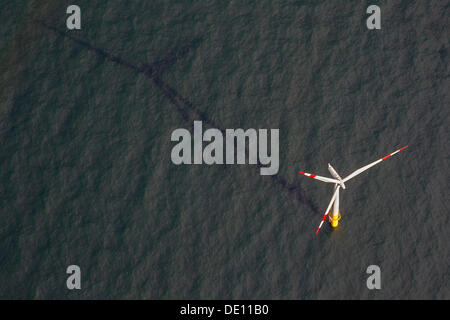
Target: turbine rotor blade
{"type": "Point", "coordinates": [360, 170]}
{"type": "Point", "coordinates": [315, 176]}
{"type": "Point", "coordinates": [333, 198]}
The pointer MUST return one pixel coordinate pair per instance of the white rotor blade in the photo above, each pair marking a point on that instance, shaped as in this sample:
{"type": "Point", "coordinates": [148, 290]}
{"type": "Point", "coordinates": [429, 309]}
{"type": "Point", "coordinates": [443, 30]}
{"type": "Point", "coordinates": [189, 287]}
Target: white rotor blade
{"type": "Point", "coordinates": [355, 173]}
{"type": "Point", "coordinates": [328, 208]}
{"type": "Point", "coordinates": [324, 179]}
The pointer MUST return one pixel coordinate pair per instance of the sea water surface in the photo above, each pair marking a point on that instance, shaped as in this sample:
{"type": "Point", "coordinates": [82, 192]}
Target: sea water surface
{"type": "Point", "coordinates": [86, 176]}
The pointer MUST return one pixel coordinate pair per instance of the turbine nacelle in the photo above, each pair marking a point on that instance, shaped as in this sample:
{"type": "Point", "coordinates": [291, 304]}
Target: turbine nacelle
{"type": "Point", "coordinates": [336, 176]}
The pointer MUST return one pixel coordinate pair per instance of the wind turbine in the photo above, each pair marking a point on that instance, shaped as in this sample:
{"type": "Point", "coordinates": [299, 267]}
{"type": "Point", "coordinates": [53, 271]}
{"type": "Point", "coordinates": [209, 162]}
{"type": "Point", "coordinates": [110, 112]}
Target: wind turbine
{"type": "Point", "coordinates": [339, 183]}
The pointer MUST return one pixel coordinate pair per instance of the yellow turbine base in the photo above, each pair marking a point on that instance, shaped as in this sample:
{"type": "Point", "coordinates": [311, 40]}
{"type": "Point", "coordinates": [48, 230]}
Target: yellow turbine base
{"type": "Point", "coordinates": [334, 220]}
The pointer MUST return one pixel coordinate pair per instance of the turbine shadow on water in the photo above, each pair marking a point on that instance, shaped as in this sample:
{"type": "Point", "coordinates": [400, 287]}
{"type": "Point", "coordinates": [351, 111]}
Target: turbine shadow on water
{"type": "Point", "coordinates": [181, 104]}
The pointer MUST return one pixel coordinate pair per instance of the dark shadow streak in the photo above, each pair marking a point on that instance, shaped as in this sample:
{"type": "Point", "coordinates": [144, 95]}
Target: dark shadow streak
{"type": "Point", "coordinates": [294, 190]}
{"type": "Point", "coordinates": [154, 72]}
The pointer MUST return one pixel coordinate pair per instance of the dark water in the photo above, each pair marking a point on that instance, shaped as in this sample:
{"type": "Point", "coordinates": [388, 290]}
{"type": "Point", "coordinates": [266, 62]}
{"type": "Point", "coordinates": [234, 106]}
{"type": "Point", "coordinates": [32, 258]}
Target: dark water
{"type": "Point", "coordinates": [85, 170]}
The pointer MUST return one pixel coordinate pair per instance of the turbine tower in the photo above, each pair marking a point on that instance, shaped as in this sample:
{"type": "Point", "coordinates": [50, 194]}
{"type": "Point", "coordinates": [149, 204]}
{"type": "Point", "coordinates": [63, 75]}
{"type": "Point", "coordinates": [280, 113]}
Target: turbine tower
{"type": "Point", "coordinates": [340, 183]}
